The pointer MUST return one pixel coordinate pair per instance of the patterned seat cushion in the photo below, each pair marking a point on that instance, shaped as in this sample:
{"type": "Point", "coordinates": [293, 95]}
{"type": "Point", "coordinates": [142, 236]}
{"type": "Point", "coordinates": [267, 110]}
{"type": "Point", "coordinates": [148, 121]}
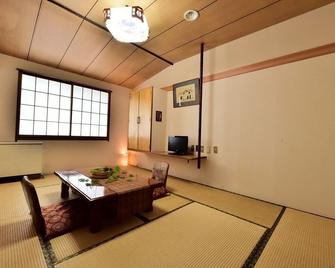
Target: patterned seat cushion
{"type": "Point", "coordinates": [159, 192]}
{"type": "Point", "coordinates": [63, 217]}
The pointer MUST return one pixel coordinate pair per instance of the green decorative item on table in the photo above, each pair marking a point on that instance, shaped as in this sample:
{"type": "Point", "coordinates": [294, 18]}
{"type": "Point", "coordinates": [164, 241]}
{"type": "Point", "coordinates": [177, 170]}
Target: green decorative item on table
{"type": "Point", "coordinates": [114, 175]}
{"type": "Point", "coordinates": [111, 174]}
{"type": "Point", "coordinates": [93, 182]}
{"type": "Point", "coordinates": [101, 172]}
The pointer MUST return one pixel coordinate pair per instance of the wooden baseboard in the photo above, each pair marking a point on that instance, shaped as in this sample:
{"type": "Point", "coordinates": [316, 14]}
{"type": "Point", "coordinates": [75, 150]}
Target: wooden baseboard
{"type": "Point", "coordinates": [19, 178]}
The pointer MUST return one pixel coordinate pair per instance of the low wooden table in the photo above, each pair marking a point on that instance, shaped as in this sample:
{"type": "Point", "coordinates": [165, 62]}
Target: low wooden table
{"type": "Point", "coordinates": [127, 196]}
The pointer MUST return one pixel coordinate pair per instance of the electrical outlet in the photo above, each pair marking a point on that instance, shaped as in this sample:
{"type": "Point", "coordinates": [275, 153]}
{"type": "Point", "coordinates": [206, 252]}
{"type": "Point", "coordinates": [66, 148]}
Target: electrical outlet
{"type": "Point", "coordinates": [202, 148]}
{"type": "Point", "coordinates": [208, 149]}
{"type": "Point", "coordinates": [196, 148]}
{"type": "Point", "coordinates": [192, 148]}
{"type": "Point", "coordinates": [215, 149]}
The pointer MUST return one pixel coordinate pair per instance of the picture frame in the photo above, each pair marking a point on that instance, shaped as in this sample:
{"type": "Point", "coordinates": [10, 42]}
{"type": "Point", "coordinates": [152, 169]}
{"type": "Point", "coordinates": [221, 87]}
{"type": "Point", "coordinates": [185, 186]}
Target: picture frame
{"type": "Point", "coordinates": [186, 93]}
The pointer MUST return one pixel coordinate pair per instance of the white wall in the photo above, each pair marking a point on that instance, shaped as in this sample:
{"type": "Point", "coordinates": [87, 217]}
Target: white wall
{"type": "Point", "coordinates": [65, 154]}
{"type": "Point", "coordinates": [274, 128]}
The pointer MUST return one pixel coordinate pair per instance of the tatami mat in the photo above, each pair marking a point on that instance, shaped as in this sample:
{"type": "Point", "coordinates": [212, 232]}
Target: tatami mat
{"type": "Point", "coordinates": [300, 240]}
{"type": "Point", "coordinates": [193, 236]}
{"type": "Point", "coordinates": [257, 211]}
{"type": "Point", "coordinates": [80, 239]}
{"type": "Point", "coordinates": [12, 200]}
{"type": "Point", "coordinates": [19, 245]}
{"type": "Point", "coordinates": [48, 180]}
{"type": "Point", "coordinates": [165, 205]}
{"type": "Point", "coordinates": [52, 194]}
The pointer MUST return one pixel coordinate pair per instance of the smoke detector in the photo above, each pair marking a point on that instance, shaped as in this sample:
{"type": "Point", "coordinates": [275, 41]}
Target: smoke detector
{"type": "Point", "coordinates": [191, 15]}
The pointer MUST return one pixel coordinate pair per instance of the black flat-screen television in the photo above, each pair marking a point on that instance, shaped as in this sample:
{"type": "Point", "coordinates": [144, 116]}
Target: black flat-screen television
{"type": "Point", "coordinates": [178, 144]}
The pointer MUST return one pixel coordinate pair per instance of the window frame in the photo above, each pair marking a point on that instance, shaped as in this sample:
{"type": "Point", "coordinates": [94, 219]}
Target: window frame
{"type": "Point", "coordinates": [57, 137]}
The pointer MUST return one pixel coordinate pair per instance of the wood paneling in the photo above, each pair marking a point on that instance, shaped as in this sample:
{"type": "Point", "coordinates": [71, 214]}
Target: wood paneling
{"type": "Point", "coordinates": [144, 128]}
{"type": "Point", "coordinates": [80, 6]}
{"type": "Point", "coordinates": [129, 67]}
{"type": "Point", "coordinates": [214, 16]}
{"type": "Point", "coordinates": [112, 55]}
{"type": "Point", "coordinates": [87, 44]}
{"type": "Point", "coordinates": [297, 56]}
{"type": "Point", "coordinates": [149, 70]}
{"type": "Point", "coordinates": [134, 99]}
{"type": "Point", "coordinates": [54, 31]}
{"type": "Point", "coordinates": [162, 15]}
{"type": "Point", "coordinates": [17, 21]}
{"type": "Point", "coordinates": [277, 12]}
{"type": "Point", "coordinates": [62, 38]}
{"type": "Point", "coordinates": [266, 17]}
{"type": "Point", "coordinates": [97, 15]}
{"type": "Point", "coordinates": [140, 108]}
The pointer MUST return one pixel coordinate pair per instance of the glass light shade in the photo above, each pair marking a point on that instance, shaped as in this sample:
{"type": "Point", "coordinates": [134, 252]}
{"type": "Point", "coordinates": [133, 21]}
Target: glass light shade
{"type": "Point", "coordinates": [126, 28]}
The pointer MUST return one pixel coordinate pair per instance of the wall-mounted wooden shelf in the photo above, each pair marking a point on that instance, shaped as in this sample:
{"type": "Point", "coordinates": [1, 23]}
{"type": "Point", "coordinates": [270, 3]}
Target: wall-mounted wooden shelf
{"type": "Point", "coordinates": [188, 157]}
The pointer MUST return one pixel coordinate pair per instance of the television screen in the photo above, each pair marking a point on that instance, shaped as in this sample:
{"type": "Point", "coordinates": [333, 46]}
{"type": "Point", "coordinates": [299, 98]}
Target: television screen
{"type": "Point", "coordinates": [178, 144]}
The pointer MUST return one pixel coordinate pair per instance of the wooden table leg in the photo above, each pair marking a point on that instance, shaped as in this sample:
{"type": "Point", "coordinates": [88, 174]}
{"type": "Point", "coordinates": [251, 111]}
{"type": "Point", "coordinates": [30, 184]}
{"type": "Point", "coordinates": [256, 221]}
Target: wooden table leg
{"type": "Point", "coordinates": [65, 191]}
{"type": "Point", "coordinates": [95, 217]}
{"type": "Point", "coordinates": [149, 206]}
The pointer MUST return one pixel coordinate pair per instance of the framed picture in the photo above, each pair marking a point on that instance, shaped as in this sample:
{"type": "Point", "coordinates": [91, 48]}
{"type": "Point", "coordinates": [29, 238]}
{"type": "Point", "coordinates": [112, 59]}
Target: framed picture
{"type": "Point", "coordinates": [186, 93]}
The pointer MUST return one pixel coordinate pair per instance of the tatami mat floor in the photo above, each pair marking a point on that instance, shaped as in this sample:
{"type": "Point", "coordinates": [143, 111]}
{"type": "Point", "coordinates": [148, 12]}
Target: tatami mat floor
{"type": "Point", "coordinates": [165, 205]}
{"type": "Point", "coordinates": [193, 236]}
{"type": "Point", "coordinates": [51, 194]}
{"type": "Point", "coordinates": [82, 239]}
{"type": "Point", "coordinates": [19, 244]}
{"type": "Point", "coordinates": [195, 226]}
{"type": "Point", "coordinates": [47, 180]}
{"type": "Point", "coordinates": [300, 240]}
{"type": "Point", "coordinates": [256, 211]}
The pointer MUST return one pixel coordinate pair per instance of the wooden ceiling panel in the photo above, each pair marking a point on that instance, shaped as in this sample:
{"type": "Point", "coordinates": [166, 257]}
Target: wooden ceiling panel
{"type": "Point", "coordinates": [187, 50]}
{"type": "Point", "coordinates": [129, 67]}
{"type": "Point", "coordinates": [80, 6]}
{"type": "Point", "coordinates": [112, 55]}
{"type": "Point", "coordinates": [219, 13]}
{"type": "Point", "coordinates": [55, 36]}
{"type": "Point", "coordinates": [17, 21]}
{"type": "Point", "coordinates": [162, 14]}
{"type": "Point", "coordinates": [273, 14]}
{"type": "Point", "coordinates": [54, 31]}
{"type": "Point", "coordinates": [276, 13]}
{"type": "Point", "coordinates": [148, 71]}
{"type": "Point", "coordinates": [87, 44]}
{"type": "Point", "coordinates": [97, 15]}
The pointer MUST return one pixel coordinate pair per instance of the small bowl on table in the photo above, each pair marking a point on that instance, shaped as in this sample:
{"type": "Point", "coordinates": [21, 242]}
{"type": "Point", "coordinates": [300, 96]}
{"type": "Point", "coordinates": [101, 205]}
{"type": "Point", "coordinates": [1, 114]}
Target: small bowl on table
{"type": "Point", "coordinates": [101, 173]}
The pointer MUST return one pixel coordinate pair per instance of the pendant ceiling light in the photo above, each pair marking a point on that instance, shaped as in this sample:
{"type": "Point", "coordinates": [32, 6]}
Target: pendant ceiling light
{"type": "Point", "coordinates": [127, 24]}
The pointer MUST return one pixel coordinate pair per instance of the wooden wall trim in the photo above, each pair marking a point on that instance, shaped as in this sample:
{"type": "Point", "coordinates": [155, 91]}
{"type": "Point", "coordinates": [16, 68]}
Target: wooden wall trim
{"type": "Point", "coordinates": [289, 58]}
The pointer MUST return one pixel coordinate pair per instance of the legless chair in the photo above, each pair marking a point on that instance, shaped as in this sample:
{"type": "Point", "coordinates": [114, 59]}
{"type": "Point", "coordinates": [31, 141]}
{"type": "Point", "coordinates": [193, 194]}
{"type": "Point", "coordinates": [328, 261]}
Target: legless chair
{"type": "Point", "coordinates": [160, 172]}
{"type": "Point", "coordinates": [55, 219]}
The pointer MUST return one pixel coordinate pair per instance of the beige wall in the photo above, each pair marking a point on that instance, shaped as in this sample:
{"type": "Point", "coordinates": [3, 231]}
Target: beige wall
{"type": "Point", "coordinates": [65, 154]}
{"type": "Point", "coordinates": [274, 128]}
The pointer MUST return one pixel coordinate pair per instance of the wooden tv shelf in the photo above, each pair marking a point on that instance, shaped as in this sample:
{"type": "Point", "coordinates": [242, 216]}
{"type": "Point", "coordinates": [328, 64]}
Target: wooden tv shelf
{"type": "Point", "coordinates": [187, 157]}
